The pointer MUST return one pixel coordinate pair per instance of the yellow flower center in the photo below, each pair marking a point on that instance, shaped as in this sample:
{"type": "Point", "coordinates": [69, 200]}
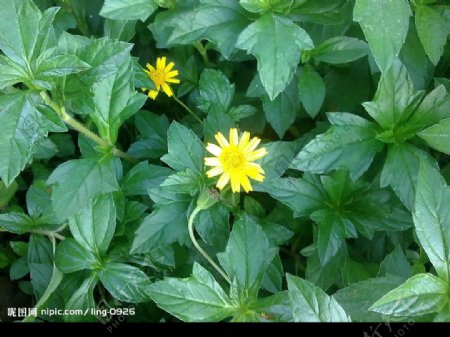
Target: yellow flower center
{"type": "Point", "coordinates": [233, 159]}
{"type": "Point", "coordinates": [158, 76]}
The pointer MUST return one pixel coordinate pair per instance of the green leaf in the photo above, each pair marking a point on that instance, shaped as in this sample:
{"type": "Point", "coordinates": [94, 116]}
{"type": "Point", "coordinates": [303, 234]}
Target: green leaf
{"type": "Point", "coordinates": [93, 226]}
{"type": "Point", "coordinates": [144, 177]}
{"type": "Point", "coordinates": [128, 9]}
{"type": "Point", "coordinates": [216, 92]}
{"type": "Point", "coordinates": [125, 282]}
{"type": "Point", "coordinates": [153, 134]}
{"type": "Point", "coordinates": [49, 65]}
{"type": "Point", "coordinates": [198, 298]}
{"type": "Point", "coordinates": [258, 6]}
{"type": "Point", "coordinates": [82, 299]}
{"type": "Point", "coordinates": [302, 195]}
{"type": "Point", "coordinates": [273, 279]}
{"type": "Point", "coordinates": [312, 304]}
{"type": "Point", "coordinates": [282, 111]}
{"type": "Point", "coordinates": [358, 297]}
{"type": "Point", "coordinates": [339, 50]}
{"type": "Point", "coordinates": [247, 255]}
{"type": "Point", "coordinates": [10, 73]}
{"type": "Point", "coordinates": [18, 268]}
{"type": "Point", "coordinates": [400, 171]}
{"type": "Point", "coordinates": [277, 60]}
{"type": "Point", "coordinates": [40, 262]}
{"type": "Point", "coordinates": [419, 295]}
{"type": "Point", "coordinates": [218, 21]}
{"type": "Point", "coordinates": [187, 182]}
{"type": "Point", "coordinates": [18, 223]}
{"type": "Point", "coordinates": [385, 24]}
{"type": "Point", "coordinates": [217, 121]}
{"type": "Point", "coordinates": [438, 136]}
{"type": "Point", "coordinates": [167, 224]}
{"type": "Point", "coordinates": [23, 128]}
{"type": "Point", "coordinates": [212, 226]}
{"type": "Point", "coordinates": [123, 30]}
{"type": "Point", "coordinates": [431, 27]}
{"type": "Point", "coordinates": [115, 101]}
{"type": "Point", "coordinates": [71, 256]}
{"type": "Point", "coordinates": [185, 149]}
{"type": "Point", "coordinates": [311, 90]}
{"type": "Point", "coordinates": [396, 264]}
{"type": "Point", "coordinates": [19, 247]}
{"type": "Point", "coordinates": [349, 146]}
{"type": "Point", "coordinates": [432, 218]}
{"type": "Point", "coordinates": [77, 181]}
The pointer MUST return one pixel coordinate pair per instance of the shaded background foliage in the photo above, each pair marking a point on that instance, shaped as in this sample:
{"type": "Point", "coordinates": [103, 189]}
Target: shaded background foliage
{"type": "Point", "coordinates": [351, 101]}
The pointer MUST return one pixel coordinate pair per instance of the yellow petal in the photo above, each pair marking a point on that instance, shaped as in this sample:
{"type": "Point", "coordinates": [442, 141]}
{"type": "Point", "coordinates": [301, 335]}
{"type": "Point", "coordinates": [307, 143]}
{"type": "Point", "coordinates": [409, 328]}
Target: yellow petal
{"type": "Point", "coordinates": [169, 67]}
{"type": "Point", "coordinates": [214, 171]}
{"type": "Point", "coordinates": [152, 94]}
{"type": "Point", "coordinates": [244, 140]}
{"type": "Point", "coordinates": [234, 138]}
{"type": "Point", "coordinates": [165, 87]}
{"type": "Point", "coordinates": [223, 180]}
{"type": "Point", "coordinates": [252, 145]}
{"type": "Point", "coordinates": [221, 140]}
{"type": "Point", "coordinates": [161, 63]}
{"type": "Point", "coordinates": [150, 67]}
{"type": "Point", "coordinates": [254, 171]}
{"type": "Point", "coordinates": [172, 80]}
{"type": "Point", "coordinates": [255, 155]}
{"type": "Point", "coordinates": [235, 183]}
{"type": "Point", "coordinates": [172, 74]}
{"type": "Point", "coordinates": [214, 149]}
{"type": "Point", "coordinates": [212, 161]}
{"type": "Point", "coordinates": [246, 184]}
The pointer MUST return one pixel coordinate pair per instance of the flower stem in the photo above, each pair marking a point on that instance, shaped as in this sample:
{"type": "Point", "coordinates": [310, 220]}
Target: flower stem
{"type": "Point", "coordinates": [81, 128]}
{"type": "Point", "coordinates": [187, 108]}
{"type": "Point", "coordinates": [194, 241]}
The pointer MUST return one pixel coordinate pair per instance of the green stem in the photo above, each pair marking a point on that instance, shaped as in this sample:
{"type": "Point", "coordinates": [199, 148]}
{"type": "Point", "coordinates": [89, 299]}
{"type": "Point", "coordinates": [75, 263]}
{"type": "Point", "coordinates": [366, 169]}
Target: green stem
{"type": "Point", "coordinates": [194, 241]}
{"type": "Point", "coordinates": [202, 50]}
{"type": "Point", "coordinates": [81, 128]}
{"type": "Point", "coordinates": [187, 108]}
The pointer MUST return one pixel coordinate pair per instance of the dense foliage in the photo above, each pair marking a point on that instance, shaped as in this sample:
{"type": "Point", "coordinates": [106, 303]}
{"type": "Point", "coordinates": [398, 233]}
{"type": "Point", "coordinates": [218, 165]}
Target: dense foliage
{"type": "Point", "coordinates": [340, 213]}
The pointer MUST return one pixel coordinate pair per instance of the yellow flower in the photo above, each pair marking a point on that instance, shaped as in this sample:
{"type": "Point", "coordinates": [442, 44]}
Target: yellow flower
{"type": "Point", "coordinates": [161, 76]}
{"type": "Point", "coordinates": [234, 160]}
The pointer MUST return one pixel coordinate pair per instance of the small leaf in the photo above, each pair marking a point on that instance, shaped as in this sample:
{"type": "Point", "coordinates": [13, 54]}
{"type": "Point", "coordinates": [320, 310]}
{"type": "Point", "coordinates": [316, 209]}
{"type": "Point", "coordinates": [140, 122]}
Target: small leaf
{"type": "Point", "coordinates": [438, 136]}
{"type": "Point", "coordinates": [312, 304]}
{"type": "Point", "coordinates": [216, 92]}
{"type": "Point", "coordinates": [339, 50]}
{"type": "Point", "coordinates": [70, 256]}
{"type": "Point", "coordinates": [187, 182]}
{"type": "Point", "coordinates": [311, 90]}
{"type": "Point", "coordinates": [144, 177]}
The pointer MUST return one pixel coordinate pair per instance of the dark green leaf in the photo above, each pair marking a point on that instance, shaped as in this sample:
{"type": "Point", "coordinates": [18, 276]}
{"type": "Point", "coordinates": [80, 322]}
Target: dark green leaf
{"type": "Point", "coordinates": [71, 256]}
{"type": "Point", "coordinates": [144, 177]}
{"type": "Point", "coordinates": [311, 90]}
{"type": "Point", "coordinates": [216, 92]}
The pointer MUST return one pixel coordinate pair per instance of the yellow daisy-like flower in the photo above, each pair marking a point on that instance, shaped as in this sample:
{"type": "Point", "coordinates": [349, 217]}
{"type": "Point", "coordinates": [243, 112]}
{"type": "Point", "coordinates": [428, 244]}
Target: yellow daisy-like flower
{"type": "Point", "coordinates": [233, 159]}
{"type": "Point", "coordinates": [161, 76]}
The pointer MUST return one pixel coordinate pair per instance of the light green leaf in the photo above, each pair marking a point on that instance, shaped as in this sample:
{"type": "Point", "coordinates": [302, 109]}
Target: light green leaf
{"type": "Point", "coordinates": [312, 304]}
{"type": "Point", "coordinates": [277, 60]}
{"type": "Point", "coordinates": [58, 65]}
{"type": "Point", "coordinates": [125, 282]}
{"type": "Point", "coordinates": [282, 111]}
{"type": "Point", "coordinates": [385, 24]}
{"type": "Point", "coordinates": [218, 21]}
{"type": "Point", "coordinates": [340, 49]}
{"type": "Point", "coordinates": [93, 226]}
{"type": "Point", "coordinates": [247, 255]}
{"type": "Point", "coordinates": [10, 73]}
{"type": "Point", "coordinates": [144, 177]}
{"type": "Point", "coordinates": [432, 218]}
{"type": "Point", "coordinates": [71, 256]}
{"type": "Point", "coordinates": [438, 136]}
{"type": "Point", "coordinates": [311, 90]}
{"type": "Point", "coordinates": [128, 9]}
{"type": "Point", "coordinates": [18, 223]}
{"type": "Point", "coordinates": [23, 129]}
{"type": "Point", "coordinates": [82, 299]}
{"type": "Point", "coordinates": [115, 101]}
{"type": "Point", "coordinates": [185, 149]}
{"type": "Point", "coordinates": [187, 182]}
{"type": "Point", "coordinates": [348, 146]}
{"type": "Point", "coordinates": [258, 6]}
{"type": "Point", "coordinates": [77, 181]}
{"type": "Point", "coordinates": [431, 28]}
{"type": "Point", "coordinates": [198, 298]}
{"type": "Point", "coordinates": [419, 295]}
{"type": "Point", "coordinates": [122, 30]}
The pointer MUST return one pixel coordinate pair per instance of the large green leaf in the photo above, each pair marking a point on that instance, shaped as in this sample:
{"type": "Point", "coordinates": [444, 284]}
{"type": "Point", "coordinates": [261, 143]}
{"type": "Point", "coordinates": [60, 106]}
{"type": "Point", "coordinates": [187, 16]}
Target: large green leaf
{"type": "Point", "coordinates": [77, 181]}
{"type": "Point", "coordinates": [70, 256]}
{"type": "Point", "coordinates": [115, 100]}
{"type": "Point", "coordinates": [438, 136]}
{"type": "Point", "coordinates": [347, 145]}
{"type": "Point", "coordinates": [93, 226]}
{"type": "Point", "coordinates": [198, 298]}
{"type": "Point", "coordinates": [23, 128]}
{"type": "Point", "coordinates": [247, 255]}
{"type": "Point", "coordinates": [185, 149]}
{"type": "Point", "coordinates": [125, 282]}
{"type": "Point", "coordinates": [128, 9]}
{"type": "Point", "coordinates": [219, 21]}
{"type": "Point", "coordinates": [432, 218]}
{"type": "Point", "coordinates": [431, 27]}
{"type": "Point", "coordinates": [419, 295]}
{"type": "Point", "coordinates": [312, 304]}
{"type": "Point", "coordinates": [385, 24]}
{"type": "Point", "coordinates": [277, 60]}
